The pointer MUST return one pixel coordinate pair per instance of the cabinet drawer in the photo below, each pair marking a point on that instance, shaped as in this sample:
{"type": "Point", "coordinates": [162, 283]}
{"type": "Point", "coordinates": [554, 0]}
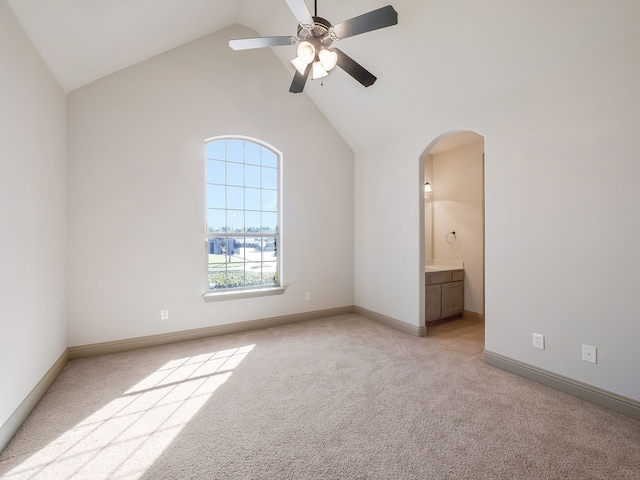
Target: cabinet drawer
{"type": "Point", "coordinates": [437, 277]}
{"type": "Point", "coordinates": [457, 276]}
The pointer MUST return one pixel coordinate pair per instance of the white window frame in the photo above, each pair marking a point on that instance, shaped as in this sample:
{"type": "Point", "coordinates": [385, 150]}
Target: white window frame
{"type": "Point", "coordinates": [216, 294]}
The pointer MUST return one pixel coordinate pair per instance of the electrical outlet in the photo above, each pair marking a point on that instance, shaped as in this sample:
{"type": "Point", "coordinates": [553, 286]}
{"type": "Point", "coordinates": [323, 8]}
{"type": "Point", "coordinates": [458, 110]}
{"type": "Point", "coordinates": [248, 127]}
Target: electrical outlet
{"type": "Point", "coordinates": [538, 341]}
{"type": "Point", "coordinates": [307, 296]}
{"type": "Point", "coordinates": [164, 314]}
{"type": "Point", "coordinates": [589, 354]}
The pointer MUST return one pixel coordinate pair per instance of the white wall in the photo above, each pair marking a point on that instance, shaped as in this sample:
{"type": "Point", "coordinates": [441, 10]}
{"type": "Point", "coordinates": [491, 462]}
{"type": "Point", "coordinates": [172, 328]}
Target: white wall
{"type": "Point", "coordinates": [561, 213]}
{"type": "Point", "coordinates": [457, 207]}
{"type": "Point", "coordinates": [32, 216]}
{"type": "Point", "coordinates": [136, 191]}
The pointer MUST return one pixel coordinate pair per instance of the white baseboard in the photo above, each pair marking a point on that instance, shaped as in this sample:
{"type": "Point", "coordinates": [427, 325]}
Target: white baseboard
{"type": "Point", "coordinates": [617, 403]}
{"type": "Point", "coordinates": [103, 348]}
{"type": "Point", "coordinates": [420, 331]}
{"type": "Point", "coordinates": [13, 423]}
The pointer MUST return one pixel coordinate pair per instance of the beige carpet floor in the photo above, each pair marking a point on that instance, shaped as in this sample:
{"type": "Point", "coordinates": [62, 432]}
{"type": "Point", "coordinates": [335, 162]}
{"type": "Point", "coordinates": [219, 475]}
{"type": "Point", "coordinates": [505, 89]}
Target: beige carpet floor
{"type": "Point", "coordinates": [338, 398]}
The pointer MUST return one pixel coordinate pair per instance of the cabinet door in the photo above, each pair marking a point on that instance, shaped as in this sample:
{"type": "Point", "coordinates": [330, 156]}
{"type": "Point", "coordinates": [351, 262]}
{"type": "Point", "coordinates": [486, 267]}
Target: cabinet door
{"type": "Point", "coordinates": [452, 298]}
{"type": "Point", "coordinates": [432, 295]}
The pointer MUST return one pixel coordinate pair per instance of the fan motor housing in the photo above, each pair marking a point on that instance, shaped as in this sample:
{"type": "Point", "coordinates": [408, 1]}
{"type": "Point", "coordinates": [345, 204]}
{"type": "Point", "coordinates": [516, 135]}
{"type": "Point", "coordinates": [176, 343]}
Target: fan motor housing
{"type": "Point", "coordinates": [320, 32]}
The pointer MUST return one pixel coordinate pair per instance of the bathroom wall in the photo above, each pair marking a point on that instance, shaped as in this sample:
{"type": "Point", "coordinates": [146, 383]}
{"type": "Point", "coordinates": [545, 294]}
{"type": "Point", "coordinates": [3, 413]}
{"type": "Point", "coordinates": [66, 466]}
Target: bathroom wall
{"type": "Point", "coordinates": [457, 206]}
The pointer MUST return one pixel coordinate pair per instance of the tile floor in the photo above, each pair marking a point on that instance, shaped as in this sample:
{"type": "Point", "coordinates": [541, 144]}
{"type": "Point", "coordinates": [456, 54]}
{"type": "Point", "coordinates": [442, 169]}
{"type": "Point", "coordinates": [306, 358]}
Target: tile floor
{"type": "Point", "coordinates": [461, 334]}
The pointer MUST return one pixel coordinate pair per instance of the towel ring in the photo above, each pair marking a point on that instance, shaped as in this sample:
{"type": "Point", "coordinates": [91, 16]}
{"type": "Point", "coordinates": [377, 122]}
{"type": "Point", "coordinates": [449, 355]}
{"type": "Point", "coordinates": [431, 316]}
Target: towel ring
{"type": "Point", "coordinates": [451, 238]}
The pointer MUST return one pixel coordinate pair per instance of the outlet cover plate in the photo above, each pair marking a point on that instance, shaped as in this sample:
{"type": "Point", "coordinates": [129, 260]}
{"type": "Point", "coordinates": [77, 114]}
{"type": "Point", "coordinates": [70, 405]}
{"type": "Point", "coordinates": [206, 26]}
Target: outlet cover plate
{"type": "Point", "coordinates": [589, 354]}
{"type": "Point", "coordinates": [164, 314]}
{"type": "Point", "coordinates": [538, 340]}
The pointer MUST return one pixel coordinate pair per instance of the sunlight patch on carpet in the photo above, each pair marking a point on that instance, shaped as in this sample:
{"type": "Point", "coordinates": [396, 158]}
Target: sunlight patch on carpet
{"type": "Point", "coordinates": [125, 437]}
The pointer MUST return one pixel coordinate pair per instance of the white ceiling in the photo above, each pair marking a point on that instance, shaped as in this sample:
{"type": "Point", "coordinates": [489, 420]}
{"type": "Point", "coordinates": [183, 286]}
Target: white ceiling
{"type": "Point", "coordinates": [442, 54]}
{"type": "Point", "coordinates": [83, 40]}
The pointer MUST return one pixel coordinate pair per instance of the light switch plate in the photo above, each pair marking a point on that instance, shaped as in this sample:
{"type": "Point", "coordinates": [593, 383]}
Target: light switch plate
{"type": "Point", "coordinates": [538, 340]}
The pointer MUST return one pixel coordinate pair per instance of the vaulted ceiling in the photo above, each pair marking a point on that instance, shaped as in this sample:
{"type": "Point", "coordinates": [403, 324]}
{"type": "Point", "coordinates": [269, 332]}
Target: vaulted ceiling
{"type": "Point", "coordinates": [442, 54]}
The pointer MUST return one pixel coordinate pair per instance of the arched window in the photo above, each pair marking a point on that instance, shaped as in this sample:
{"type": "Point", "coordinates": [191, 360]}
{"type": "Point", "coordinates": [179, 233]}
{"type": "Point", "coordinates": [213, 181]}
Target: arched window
{"type": "Point", "coordinates": [243, 247]}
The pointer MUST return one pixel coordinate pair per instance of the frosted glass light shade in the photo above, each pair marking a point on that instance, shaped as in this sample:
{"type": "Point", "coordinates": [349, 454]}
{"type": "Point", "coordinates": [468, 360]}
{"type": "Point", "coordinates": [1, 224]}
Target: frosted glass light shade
{"type": "Point", "coordinates": [318, 71]}
{"type": "Point", "coordinates": [328, 59]}
{"type": "Point", "coordinates": [300, 65]}
{"type": "Point", "coordinates": [306, 52]}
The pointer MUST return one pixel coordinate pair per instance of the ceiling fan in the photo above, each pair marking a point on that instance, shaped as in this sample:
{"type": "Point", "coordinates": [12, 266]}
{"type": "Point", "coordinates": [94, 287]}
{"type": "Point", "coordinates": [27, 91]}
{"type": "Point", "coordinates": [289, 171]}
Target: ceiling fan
{"type": "Point", "coordinates": [314, 39]}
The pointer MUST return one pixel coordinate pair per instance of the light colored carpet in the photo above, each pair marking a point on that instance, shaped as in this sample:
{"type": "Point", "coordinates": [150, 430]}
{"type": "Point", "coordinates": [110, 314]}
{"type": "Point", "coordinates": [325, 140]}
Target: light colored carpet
{"type": "Point", "coordinates": [339, 398]}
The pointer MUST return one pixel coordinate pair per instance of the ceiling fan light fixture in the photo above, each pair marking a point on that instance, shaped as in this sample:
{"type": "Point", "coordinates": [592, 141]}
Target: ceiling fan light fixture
{"type": "Point", "coordinates": [315, 35]}
{"type": "Point", "coordinates": [328, 59]}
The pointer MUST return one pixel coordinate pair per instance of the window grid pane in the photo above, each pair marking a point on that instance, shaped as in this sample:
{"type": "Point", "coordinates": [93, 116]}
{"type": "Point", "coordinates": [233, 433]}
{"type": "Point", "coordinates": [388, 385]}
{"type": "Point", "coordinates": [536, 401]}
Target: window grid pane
{"type": "Point", "coordinates": [242, 215]}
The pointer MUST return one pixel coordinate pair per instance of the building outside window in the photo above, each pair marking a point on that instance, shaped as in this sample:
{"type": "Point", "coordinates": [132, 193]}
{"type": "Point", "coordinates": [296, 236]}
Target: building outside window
{"type": "Point", "coordinates": [243, 247]}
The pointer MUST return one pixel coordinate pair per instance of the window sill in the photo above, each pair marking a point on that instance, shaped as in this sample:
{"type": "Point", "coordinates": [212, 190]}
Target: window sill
{"type": "Point", "coordinates": [258, 292]}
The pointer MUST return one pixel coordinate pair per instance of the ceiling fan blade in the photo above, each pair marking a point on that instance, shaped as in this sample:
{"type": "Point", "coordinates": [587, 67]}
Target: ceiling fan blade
{"type": "Point", "coordinates": [300, 80]}
{"type": "Point", "coordinates": [300, 11]}
{"type": "Point", "coordinates": [380, 18]}
{"type": "Point", "coordinates": [260, 42]}
{"type": "Point", "coordinates": [353, 68]}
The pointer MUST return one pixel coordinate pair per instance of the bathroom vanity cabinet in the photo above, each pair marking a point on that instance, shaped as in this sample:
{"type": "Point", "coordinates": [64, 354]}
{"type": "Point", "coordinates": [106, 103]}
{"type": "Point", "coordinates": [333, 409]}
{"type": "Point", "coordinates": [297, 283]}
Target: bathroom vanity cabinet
{"type": "Point", "coordinates": [444, 293]}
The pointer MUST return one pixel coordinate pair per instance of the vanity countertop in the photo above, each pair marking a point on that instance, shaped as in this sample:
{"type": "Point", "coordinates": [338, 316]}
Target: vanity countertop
{"type": "Point", "coordinates": [440, 268]}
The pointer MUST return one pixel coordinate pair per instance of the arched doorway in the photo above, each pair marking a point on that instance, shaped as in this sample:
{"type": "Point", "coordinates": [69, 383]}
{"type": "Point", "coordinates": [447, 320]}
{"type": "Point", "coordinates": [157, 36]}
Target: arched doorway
{"type": "Point", "coordinates": [452, 241]}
